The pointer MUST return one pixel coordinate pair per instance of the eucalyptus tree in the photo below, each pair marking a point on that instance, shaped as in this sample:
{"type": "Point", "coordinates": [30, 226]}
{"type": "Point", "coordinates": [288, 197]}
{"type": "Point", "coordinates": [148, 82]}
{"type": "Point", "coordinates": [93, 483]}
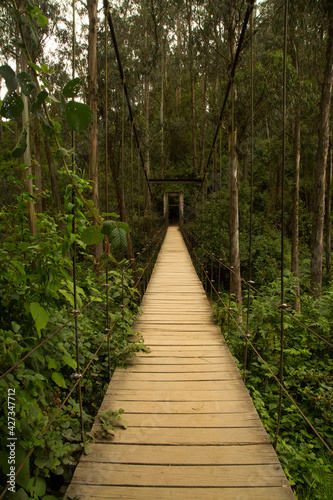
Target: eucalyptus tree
{"type": "Point", "coordinates": [317, 236]}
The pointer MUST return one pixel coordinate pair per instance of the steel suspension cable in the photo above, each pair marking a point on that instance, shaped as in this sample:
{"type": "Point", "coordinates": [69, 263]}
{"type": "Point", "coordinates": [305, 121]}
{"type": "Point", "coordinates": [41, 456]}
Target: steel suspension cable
{"type": "Point", "coordinates": [76, 324]}
{"type": "Point", "coordinates": [300, 323]}
{"type": "Point", "coordinates": [122, 77]}
{"type": "Point", "coordinates": [106, 125]}
{"type": "Point", "coordinates": [229, 311]}
{"type": "Point", "coordinates": [251, 201]}
{"type": "Point", "coordinates": [284, 106]}
{"type": "Point", "coordinates": [229, 84]}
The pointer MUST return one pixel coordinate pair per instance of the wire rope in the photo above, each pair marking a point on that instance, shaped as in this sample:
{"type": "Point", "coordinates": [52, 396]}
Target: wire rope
{"type": "Point", "coordinates": [278, 306]}
{"type": "Point", "coordinates": [76, 324]}
{"type": "Point", "coordinates": [106, 118]}
{"type": "Point", "coordinates": [122, 77]}
{"type": "Point", "coordinates": [251, 201]}
{"type": "Point", "coordinates": [229, 311]}
{"type": "Point", "coordinates": [229, 84]}
{"type": "Point", "coordinates": [284, 106]}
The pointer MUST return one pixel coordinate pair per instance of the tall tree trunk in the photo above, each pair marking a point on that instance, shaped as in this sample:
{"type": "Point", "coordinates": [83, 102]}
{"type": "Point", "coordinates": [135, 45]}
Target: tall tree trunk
{"type": "Point", "coordinates": [297, 166]}
{"type": "Point", "coordinates": [295, 215]}
{"type": "Point", "coordinates": [215, 167]}
{"type": "Point", "coordinates": [190, 56]}
{"type": "Point", "coordinates": [119, 194]}
{"type": "Point", "coordinates": [92, 102]}
{"type": "Point", "coordinates": [179, 50]}
{"type": "Point", "coordinates": [38, 166]}
{"type": "Point", "coordinates": [1, 128]}
{"type": "Point", "coordinates": [162, 109]}
{"type": "Point", "coordinates": [328, 217]}
{"type": "Point", "coordinates": [54, 182]}
{"type": "Point", "coordinates": [235, 276]}
{"type": "Point", "coordinates": [317, 235]}
{"type": "Point", "coordinates": [27, 156]}
{"type": "Point", "coordinates": [246, 160]}
{"type": "Point", "coordinates": [146, 111]}
{"type": "Point", "coordinates": [92, 99]}
{"type": "Point", "coordinates": [203, 125]}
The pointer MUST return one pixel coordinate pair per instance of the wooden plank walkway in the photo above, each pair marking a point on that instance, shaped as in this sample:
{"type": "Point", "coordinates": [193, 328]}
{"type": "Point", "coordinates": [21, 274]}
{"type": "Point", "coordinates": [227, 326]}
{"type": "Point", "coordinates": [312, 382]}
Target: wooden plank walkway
{"type": "Point", "coordinates": [193, 432]}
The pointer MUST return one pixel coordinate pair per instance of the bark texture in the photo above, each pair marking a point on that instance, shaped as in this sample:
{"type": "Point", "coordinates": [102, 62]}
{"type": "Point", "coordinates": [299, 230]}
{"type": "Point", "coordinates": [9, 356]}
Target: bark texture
{"type": "Point", "coordinates": [317, 236]}
{"type": "Point", "coordinates": [235, 276]}
{"type": "Point", "coordinates": [92, 99]}
{"type": "Point", "coordinates": [54, 182]}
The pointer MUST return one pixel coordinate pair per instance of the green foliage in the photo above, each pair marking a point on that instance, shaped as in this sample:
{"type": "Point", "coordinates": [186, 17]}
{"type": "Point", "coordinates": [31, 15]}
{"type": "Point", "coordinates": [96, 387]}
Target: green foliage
{"type": "Point", "coordinates": [10, 78]}
{"type": "Point", "coordinates": [78, 115]}
{"type": "Point", "coordinates": [307, 377]}
{"type": "Point", "coordinates": [12, 106]}
{"type": "Point", "coordinates": [115, 231]}
{"type": "Point", "coordinates": [109, 420]}
{"type": "Point", "coordinates": [36, 293]}
{"type": "Point", "coordinates": [21, 145]}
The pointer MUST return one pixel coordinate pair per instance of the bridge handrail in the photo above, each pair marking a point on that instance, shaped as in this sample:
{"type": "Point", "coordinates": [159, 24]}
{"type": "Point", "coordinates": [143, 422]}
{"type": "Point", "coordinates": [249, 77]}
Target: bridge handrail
{"type": "Point", "coordinates": [253, 347]}
{"type": "Point", "coordinates": [156, 242]}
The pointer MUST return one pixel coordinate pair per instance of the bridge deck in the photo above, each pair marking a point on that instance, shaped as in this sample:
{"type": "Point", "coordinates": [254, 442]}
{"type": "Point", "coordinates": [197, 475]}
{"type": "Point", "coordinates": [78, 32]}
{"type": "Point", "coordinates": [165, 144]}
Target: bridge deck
{"type": "Point", "coordinates": [193, 432]}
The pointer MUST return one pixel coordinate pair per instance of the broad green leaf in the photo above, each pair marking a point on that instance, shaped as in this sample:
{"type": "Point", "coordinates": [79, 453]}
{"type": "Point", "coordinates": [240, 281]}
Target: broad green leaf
{"type": "Point", "coordinates": [72, 88]}
{"type": "Point", "coordinates": [92, 235]}
{"type": "Point", "coordinates": [35, 10]}
{"type": "Point", "coordinates": [78, 115]}
{"type": "Point", "coordinates": [107, 227]}
{"type": "Point", "coordinates": [58, 378]}
{"type": "Point", "coordinates": [68, 360]}
{"type": "Point", "coordinates": [36, 106]}
{"type": "Point", "coordinates": [112, 214]}
{"type": "Point", "coordinates": [68, 296]}
{"type": "Point", "coordinates": [19, 266]}
{"type": "Point", "coordinates": [45, 68]}
{"type": "Point", "coordinates": [42, 21]}
{"type": "Point", "coordinates": [39, 315]}
{"type": "Point", "coordinates": [12, 106]}
{"type": "Point", "coordinates": [62, 152]}
{"type": "Point", "coordinates": [24, 475]}
{"type": "Point", "coordinates": [51, 363]}
{"type": "Point", "coordinates": [47, 128]}
{"type": "Point", "coordinates": [20, 495]}
{"type": "Point", "coordinates": [10, 78]}
{"type": "Point", "coordinates": [37, 485]}
{"type": "Point", "coordinates": [21, 145]}
{"type": "Point", "coordinates": [35, 66]}
{"type": "Point", "coordinates": [124, 226]}
{"type": "Point", "coordinates": [119, 239]}
{"type": "Point", "coordinates": [15, 327]}
{"type": "Point", "coordinates": [26, 82]}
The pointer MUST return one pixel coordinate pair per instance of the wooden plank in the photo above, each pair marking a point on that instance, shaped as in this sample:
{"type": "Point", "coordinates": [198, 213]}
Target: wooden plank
{"type": "Point", "coordinates": [87, 492]}
{"type": "Point", "coordinates": [175, 340]}
{"type": "Point", "coordinates": [181, 360]}
{"type": "Point", "coordinates": [178, 369]}
{"type": "Point", "coordinates": [159, 375]}
{"type": "Point", "coordinates": [193, 407]}
{"type": "Point", "coordinates": [188, 436]}
{"type": "Point", "coordinates": [136, 395]}
{"type": "Point", "coordinates": [160, 475]}
{"type": "Point", "coordinates": [194, 421]}
{"type": "Point", "coordinates": [176, 385]}
{"type": "Point", "coordinates": [182, 455]}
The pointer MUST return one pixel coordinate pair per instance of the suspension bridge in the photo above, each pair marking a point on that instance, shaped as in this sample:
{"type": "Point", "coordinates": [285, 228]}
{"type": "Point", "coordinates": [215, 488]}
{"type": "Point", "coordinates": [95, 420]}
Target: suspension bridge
{"type": "Point", "coordinates": [193, 431]}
